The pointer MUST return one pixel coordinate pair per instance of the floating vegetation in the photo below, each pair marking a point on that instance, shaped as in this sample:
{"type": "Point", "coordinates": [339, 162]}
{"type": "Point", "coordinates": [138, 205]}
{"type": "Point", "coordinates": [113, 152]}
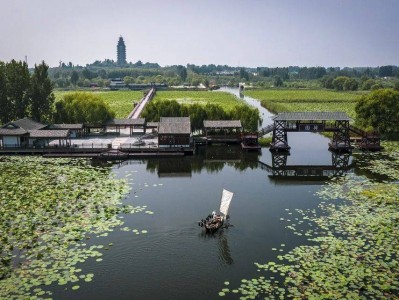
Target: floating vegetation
{"type": "Point", "coordinates": [48, 208]}
{"type": "Point", "coordinates": [354, 249]}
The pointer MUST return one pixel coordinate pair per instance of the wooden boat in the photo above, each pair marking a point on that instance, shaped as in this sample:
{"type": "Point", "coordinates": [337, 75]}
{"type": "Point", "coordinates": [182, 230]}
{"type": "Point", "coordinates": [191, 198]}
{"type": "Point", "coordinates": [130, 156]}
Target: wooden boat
{"type": "Point", "coordinates": [215, 220]}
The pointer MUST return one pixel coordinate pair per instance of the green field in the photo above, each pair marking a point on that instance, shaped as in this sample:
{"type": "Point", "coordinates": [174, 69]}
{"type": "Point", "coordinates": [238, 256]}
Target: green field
{"type": "Point", "coordinates": [121, 102]}
{"type": "Point", "coordinates": [306, 100]}
{"type": "Point", "coordinates": [226, 100]}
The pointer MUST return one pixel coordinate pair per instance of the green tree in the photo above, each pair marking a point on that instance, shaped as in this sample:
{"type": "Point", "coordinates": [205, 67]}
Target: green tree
{"type": "Point", "coordinates": [377, 86]}
{"type": "Point", "coordinates": [366, 86]}
{"type": "Point", "coordinates": [41, 94]}
{"type": "Point", "coordinates": [351, 84]}
{"type": "Point", "coordinates": [128, 79]}
{"type": "Point", "coordinates": [396, 86]}
{"type": "Point", "coordinates": [379, 111]}
{"type": "Point", "coordinates": [182, 72]}
{"type": "Point", "coordinates": [4, 109]}
{"type": "Point", "coordinates": [74, 77]}
{"type": "Point", "coordinates": [327, 82]}
{"type": "Point", "coordinates": [17, 87]}
{"type": "Point", "coordinates": [248, 116]}
{"type": "Point", "coordinates": [82, 108]}
{"type": "Point", "coordinates": [277, 82]}
{"type": "Point", "coordinates": [244, 75]}
{"type": "Point", "coordinates": [339, 82]}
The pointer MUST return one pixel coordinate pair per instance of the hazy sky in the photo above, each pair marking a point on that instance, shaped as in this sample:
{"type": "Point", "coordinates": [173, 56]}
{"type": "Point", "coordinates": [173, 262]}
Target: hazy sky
{"type": "Point", "coordinates": [234, 32]}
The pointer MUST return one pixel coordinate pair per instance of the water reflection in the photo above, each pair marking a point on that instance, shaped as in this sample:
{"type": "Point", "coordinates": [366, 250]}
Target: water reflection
{"type": "Point", "coordinates": [223, 245]}
{"type": "Point", "coordinates": [340, 165]}
{"type": "Point", "coordinates": [211, 159]}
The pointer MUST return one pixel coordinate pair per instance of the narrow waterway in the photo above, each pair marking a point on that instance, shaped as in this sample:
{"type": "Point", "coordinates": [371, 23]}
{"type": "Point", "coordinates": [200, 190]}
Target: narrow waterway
{"type": "Point", "coordinates": [175, 259]}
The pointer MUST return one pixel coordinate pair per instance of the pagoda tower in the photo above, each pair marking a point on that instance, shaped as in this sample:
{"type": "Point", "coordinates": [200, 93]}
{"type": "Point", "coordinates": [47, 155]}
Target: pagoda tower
{"type": "Point", "coordinates": [121, 52]}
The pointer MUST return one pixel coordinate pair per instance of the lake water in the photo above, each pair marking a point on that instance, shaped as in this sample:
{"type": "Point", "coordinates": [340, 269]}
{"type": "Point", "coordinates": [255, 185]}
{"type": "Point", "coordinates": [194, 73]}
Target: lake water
{"type": "Point", "coordinates": [175, 259]}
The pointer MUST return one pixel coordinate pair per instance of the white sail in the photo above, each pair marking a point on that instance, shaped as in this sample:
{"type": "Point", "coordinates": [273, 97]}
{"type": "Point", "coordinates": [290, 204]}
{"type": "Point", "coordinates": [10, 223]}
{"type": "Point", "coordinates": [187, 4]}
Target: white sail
{"type": "Point", "coordinates": [225, 201]}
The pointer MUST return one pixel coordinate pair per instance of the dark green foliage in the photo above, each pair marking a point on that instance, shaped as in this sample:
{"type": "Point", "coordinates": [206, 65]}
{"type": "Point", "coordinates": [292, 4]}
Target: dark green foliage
{"type": "Point", "coordinates": [327, 82]}
{"type": "Point", "coordinates": [339, 82]}
{"type": "Point", "coordinates": [74, 77]}
{"type": "Point", "coordinates": [23, 95]}
{"type": "Point", "coordinates": [351, 84]}
{"type": "Point", "coordinates": [4, 110]}
{"type": "Point", "coordinates": [278, 81]}
{"type": "Point", "coordinates": [249, 117]}
{"type": "Point", "coordinates": [366, 86]}
{"type": "Point", "coordinates": [198, 113]}
{"type": "Point", "coordinates": [182, 72]}
{"type": "Point", "coordinates": [379, 111]}
{"type": "Point", "coordinates": [17, 89]}
{"type": "Point", "coordinates": [244, 75]}
{"type": "Point", "coordinates": [82, 108]}
{"type": "Point", "coordinates": [385, 71]}
{"type": "Point", "coordinates": [377, 86]}
{"type": "Point", "coordinates": [41, 94]}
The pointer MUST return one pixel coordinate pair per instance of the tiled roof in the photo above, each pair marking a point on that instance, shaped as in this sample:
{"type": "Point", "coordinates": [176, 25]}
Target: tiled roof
{"type": "Point", "coordinates": [56, 134]}
{"type": "Point", "coordinates": [152, 124]}
{"type": "Point", "coordinates": [175, 119]}
{"type": "Point", "coordinates": [180, 125]}
{"type": "Point", "coordinates": [15, 131]}
{"type": "Point", "coordinates": [66, 126]}
{"type": "Point", "coordinates": [222, 124]}
{"type": "Point", "coordinates": [27, 124]}
{"type": "Point", "coordinates": [312, 116]}
{"type": "Point", "coordinates": [125, 122]}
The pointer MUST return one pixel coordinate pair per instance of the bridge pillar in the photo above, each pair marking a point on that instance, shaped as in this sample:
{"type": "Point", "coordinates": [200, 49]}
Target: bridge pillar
{"type": "Point", "coordinates": [340, 162]}
{"type": "Point", "coordinates": [279, 139]}
{"type": "Point", "coordinates": [341, 138]}
{"type": "Point", "coordinates": [279, 162]}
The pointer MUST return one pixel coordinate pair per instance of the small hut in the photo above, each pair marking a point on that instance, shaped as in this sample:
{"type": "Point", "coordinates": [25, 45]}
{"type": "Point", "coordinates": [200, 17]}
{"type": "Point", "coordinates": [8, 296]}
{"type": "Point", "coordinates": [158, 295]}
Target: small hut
{"type": "Point", "coordinates": [174, 132]}
{"type": "Point", "coordinates": [223, 131]}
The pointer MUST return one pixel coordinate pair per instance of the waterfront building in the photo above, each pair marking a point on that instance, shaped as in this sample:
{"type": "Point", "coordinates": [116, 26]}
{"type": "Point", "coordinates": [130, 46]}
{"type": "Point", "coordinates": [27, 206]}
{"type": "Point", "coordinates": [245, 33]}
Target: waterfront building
{"type": "Point", "coordinates": [174, 132]}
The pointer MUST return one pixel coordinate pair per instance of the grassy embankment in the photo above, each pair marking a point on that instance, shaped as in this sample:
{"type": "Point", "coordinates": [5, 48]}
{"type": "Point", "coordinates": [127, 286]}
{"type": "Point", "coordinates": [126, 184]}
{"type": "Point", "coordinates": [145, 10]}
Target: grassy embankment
{"type": "Point", "coordinates": [225, 100]}
{"type": "Point", "coordinates": [306, 100]}
{"type": "Point", "coordinates": [121, 102]}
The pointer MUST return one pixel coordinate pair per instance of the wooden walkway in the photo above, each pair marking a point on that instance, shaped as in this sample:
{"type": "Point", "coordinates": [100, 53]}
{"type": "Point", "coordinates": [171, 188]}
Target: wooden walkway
{"type": "Point", "coordinates": [138, 109]}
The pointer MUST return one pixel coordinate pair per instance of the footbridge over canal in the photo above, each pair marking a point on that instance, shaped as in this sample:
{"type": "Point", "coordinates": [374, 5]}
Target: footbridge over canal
{"type": "Point", "coordinates": [335, 122]}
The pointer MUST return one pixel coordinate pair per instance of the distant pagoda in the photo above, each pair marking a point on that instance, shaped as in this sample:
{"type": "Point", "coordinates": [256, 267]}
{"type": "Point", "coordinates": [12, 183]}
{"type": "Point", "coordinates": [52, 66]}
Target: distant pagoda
{"type": "Point", "coordinates": [121, 52]}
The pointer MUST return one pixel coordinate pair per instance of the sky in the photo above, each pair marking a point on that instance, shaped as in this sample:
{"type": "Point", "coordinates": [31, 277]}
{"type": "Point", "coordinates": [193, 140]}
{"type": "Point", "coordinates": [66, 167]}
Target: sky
{"type": "Point", "coordinates": [249, 33]}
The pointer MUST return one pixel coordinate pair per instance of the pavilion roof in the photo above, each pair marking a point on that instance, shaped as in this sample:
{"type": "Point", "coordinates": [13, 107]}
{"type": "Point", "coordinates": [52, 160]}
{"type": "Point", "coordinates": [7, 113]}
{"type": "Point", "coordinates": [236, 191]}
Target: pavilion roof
{"type": "Point", "coordinates": [179, 125]}
{"type": "Point", "coordinates": [66, 126]}
{"type": "Point", "coordinates": [312, 116]}
{"type": "Point", "coordinates": [20, 127]}
{"type": "Point", "coordinates": [126, 122]}
{"type": "Point", "coordinates": [222, 124]}
{"type": "Point", "coordinates": [51, 134]}
{"type": "Point", "coordinates": [152, 124]}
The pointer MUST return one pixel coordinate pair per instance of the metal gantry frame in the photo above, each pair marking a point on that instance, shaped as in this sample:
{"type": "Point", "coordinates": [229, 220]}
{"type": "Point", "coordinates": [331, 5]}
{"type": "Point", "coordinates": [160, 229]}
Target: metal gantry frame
{"type": "Point", "coordinates": [341, 138]}
{"type": "Point", "coordinates": [279, 139]}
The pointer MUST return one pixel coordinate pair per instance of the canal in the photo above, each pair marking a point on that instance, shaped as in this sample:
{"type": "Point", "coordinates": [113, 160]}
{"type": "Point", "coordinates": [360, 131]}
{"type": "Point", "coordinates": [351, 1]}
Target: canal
{"type": "Point", "coordinates": [174, 259]}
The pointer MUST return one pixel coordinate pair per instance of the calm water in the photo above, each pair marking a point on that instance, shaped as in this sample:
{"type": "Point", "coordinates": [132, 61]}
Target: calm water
{"type": "Point", "coordinates": [175, 260]}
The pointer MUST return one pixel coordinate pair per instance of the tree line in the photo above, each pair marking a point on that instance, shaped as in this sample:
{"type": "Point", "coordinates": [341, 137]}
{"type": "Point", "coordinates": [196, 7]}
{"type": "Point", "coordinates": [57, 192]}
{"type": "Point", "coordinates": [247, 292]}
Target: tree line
{"type": "Point", "coordinates": [249, 116]}
{"type": "Point", "coordinates": [25, 94]}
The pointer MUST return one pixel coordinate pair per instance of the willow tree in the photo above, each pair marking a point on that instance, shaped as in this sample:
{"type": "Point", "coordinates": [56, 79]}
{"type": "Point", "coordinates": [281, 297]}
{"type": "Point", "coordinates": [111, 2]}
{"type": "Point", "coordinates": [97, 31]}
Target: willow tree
{"type": "Point", "coordinates": [81, 107]}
